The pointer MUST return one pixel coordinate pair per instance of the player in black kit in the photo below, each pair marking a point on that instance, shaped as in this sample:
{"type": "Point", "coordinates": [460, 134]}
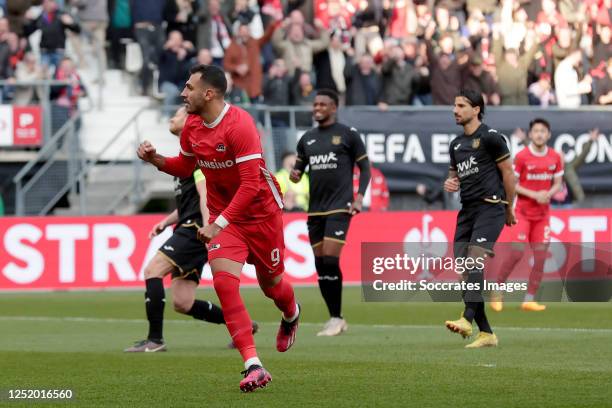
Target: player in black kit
{"type": "Point", "coordinates": [331, 151]}
{"type": "Point", "coordinates": [182, 255]}
{"type": "Point", "coordinates": [481, 167]}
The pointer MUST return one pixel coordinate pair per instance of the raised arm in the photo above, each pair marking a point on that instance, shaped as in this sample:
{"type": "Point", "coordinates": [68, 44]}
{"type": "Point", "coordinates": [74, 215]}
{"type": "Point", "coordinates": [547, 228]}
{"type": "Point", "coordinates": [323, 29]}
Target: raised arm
{"type": "Point", "coordinates": [180, 166]}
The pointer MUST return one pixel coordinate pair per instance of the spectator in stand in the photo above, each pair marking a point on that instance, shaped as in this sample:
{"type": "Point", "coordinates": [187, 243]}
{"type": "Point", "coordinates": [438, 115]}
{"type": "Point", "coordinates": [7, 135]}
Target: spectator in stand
{"type": "Point", "coordinates": [376, 197]}
{"type": "Point", "coordinates": [295, 195]}
{"type": "Point", "coordinates": [67, 96]}
{"type": "Point", "coordinates": [18, 47]}
{"type": "Point", "coordinates": [6, 70]}
{"type": "Point", "coordinates": [444, 67]}
{"type": "Point", "coordinates": [403, 20]}
{"type": "Point", "coordinates": [486, 7]}
{"type": "Point", "coordinates": [174, 64]}
{"type": "Point", "coordinates": [397, 77]}
{"type": "Point", "coordinates": [512, 69]}
{"type": "Point", "coordinates": [370, 22]}
{"type": "Point", "coordinates": [303, 91]}
{"type": "Point", "coordinates": [564, 45]}
{"type": "Point", "coordinates": [303, 94]}
{"type": "Point", "coordinates": [204, 57]}
{"type": "Point", "coordinates": [120, 27]}
{"type": "Point", "coordinates": [603, 87]}
{"type": "Point", "coordinates": [28, 70]}
{"type": "Point", "coordinates": [602, 48]}
{"type": "Point", "coordinates": [213, 31]}
{"type": "Point", "coordinates": [276, 92]}
{"type": "Point", "coordinates": [568, 87]}
{"type": "Point", "coordinates": [334, 14]}
{"type": "Point", "coordinates": [93, 18]}
{"type": "Point", "coordinates": [276, 84]}
{"type": "Point", "coordinates": [473, 76]}
{"type": "Point", "coordinates": [296, 49]}
{"type": "Point", "coordinates": [180, 16]}
{"type": "Point", "coordinates": [15, 12]}
{"type": "Point", "coordinates": [52, 23]}
{"type": "Point", "coordinates": [330, 65]}
{"type": "Point", "coordinates": [541, 93]}
{"type": "Point", "coordinates": [148, 18]}
{"type": "Point", "coordinates": [234, 94]}
{"type": "Point", "coordinates": [243, 60]}
{"type": "Point", "coordinates": [363, 82]}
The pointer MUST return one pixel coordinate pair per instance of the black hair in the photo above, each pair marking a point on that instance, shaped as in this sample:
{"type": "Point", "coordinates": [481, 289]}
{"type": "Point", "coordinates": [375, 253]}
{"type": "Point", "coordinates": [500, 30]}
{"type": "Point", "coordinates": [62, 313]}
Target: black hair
{"type": "Point", "coordinates": [541, 121]}
{"type": "Point", "coordinates": [475, 99]}
{"type": "Point", "coordinates": [329, 93]}
{"type": "Point", "coordinates": [211, 75]}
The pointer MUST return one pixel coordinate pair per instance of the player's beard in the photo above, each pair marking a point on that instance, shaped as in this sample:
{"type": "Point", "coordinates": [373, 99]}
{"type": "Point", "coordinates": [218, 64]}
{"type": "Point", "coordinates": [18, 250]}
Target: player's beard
{"type": "Point", "coordinates": [192, 107]}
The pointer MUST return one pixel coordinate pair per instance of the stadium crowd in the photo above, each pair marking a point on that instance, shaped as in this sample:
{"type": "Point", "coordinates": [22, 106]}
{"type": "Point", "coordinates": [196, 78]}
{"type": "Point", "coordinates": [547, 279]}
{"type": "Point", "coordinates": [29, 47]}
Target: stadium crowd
{"type": "Point", "coordinates": [372, 52]}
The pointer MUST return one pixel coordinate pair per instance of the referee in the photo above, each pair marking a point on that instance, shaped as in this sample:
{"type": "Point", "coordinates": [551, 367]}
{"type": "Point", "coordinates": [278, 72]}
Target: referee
{"type": "Point", "coordinates": [481, 167]}
{"type": "Point", "coordinates": [331, 151]}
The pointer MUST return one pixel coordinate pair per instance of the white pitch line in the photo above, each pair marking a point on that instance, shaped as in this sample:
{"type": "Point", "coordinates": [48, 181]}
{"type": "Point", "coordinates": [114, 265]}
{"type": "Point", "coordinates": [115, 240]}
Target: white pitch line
{"type": "Point", "coordinates": [375, 326]}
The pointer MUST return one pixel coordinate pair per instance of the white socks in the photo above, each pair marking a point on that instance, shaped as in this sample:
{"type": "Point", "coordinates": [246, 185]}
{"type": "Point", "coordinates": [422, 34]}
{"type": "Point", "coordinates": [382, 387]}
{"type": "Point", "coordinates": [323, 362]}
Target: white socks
{"type": "Point", "coordinates": [295, 316]}
{"type": "Point", "coordinates": [252, 361]}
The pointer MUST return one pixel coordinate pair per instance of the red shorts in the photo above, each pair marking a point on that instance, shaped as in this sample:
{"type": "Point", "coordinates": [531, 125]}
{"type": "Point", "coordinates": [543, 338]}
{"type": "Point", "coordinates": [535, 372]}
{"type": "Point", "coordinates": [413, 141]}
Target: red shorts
{"type": "Point", "coordinates": [531, 231]}
{"type": "Point", "coordinates": [261, 244]}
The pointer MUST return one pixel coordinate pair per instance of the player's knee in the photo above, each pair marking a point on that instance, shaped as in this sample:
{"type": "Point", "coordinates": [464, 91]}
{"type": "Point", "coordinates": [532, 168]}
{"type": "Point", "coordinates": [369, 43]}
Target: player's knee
{"type": "Point", "coordinates": [151, 271]}
{"type": "Point", "coordinates": [182, 305]}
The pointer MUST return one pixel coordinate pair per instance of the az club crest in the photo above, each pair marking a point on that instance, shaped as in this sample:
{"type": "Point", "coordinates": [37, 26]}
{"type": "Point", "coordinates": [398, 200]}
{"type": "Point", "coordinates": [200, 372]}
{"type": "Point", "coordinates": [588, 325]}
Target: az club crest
{"type": "Point", "coordinates": [220, 147]}
{"type": "Point", "coordinates": [336, 140]}
{"type": "Point", "coordinates": [475, 143]}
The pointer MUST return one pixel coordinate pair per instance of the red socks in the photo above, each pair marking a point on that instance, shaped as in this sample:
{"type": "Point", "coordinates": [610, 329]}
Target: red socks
{"type": "Point", "coordinates": [284, 298]}
{"type": "Point", "coordinates": [236, 317]}
{"type": "Point", "coordinates": [535, 277]}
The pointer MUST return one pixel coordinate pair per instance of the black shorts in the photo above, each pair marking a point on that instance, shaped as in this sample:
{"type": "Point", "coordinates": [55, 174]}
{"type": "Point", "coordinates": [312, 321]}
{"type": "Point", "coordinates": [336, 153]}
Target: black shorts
{"type": "Point", "coordinates": [333, 227]}
{"type": "Point", "coordinates": [186, 253]}
{"type": "Point", "coordinates": [479, 224]}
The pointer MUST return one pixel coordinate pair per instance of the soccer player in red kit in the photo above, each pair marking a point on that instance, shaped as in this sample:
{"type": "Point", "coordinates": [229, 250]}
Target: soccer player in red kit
{"type": "Point", "coordinates": [539, 171]}
{"type": "Point", "coordinates": [245, 205]}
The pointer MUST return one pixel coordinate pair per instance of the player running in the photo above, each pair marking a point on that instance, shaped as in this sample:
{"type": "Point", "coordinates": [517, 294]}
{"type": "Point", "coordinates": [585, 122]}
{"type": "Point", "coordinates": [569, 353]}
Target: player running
{"type": "Point", "coordinates": [182, 255]}
{"type": "Point", "coordinates": [481, 167]}
{"type": "Point", "coordinates": [331, 150]}
{"type": "Point", "coordinates": [245, 210]}
{"type": "Point", "coordinates": [539, 170]}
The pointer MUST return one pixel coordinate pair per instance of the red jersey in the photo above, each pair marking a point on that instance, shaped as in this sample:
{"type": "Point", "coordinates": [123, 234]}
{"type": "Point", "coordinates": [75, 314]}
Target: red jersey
{"type": "Point", "coordinates": [228, 151]}
{"type": "Point", "coordinates": [535, 171]}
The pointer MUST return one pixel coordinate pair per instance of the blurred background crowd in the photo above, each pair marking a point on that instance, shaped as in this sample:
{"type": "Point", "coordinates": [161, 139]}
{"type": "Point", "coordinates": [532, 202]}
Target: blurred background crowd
{"type": "Point", "coordinates": [277, 52]}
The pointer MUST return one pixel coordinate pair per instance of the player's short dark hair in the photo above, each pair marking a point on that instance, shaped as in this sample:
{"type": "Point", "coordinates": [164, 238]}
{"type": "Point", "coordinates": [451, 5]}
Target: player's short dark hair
{"type": "Point", "coordinates": [211, 75]}
{"type": "Point", "coordinates": [475, 99]}
{"type": "Point", "coordinates": [333, 95]}
{"type": "Point", "coordinates": [541, 121]}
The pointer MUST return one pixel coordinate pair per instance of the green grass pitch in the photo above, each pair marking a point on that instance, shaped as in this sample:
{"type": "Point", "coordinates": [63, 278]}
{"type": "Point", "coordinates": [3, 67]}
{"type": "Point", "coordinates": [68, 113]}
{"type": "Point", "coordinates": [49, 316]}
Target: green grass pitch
{"type": "Point", "coordinates": [394, 354]}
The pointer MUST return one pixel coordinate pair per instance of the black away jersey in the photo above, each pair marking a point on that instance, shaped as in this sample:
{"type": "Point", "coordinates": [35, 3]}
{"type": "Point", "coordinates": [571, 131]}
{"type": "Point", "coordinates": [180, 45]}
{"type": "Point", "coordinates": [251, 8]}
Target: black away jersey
{"type": "Point", "coordinates": [330, 153]}
{"type": "Point", "coordinates": [475, 159]}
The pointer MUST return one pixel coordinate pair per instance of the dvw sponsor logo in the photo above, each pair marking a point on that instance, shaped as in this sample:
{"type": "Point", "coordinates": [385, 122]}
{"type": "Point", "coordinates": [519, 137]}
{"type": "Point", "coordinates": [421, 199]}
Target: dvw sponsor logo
{"type": "Point", "coordinates": [467, 164]}
{"type": "Point", "coordinates": [323, 158]}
